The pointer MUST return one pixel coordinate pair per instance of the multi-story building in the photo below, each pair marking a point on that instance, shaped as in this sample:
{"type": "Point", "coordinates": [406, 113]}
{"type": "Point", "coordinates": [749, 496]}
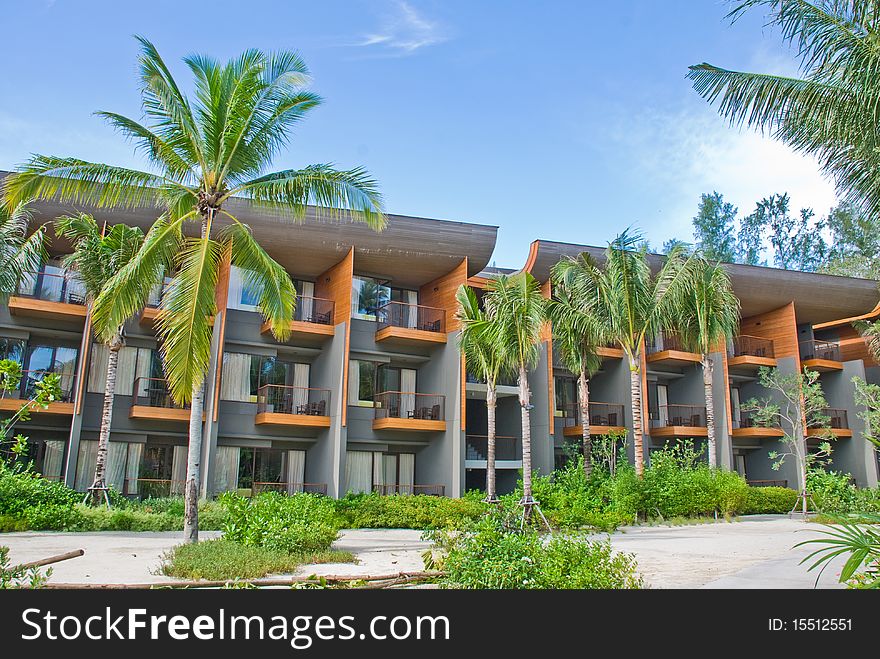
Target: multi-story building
{"type": "Point", "coordinates": [370, 393]}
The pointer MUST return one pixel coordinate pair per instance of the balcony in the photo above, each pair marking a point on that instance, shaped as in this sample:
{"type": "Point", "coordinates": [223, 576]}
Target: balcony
{"type": "Point", "coordinates": [678, 421]}
{"type": "Point", "coordinates": [751, 352]}
{"type": "Point", "coordinates": [401, 410]}
{"type": "Point", "coordinates": [411, 324]}
{"type": "Point", "coordinates": [745, 426]}
{"type": "Point", "coordinates": [668, 349]}
{"type": "Point", "coordinates": [508, 453]}
{"type": "Point", "coordinates": [436, 490]}
{"type": "Point", "coordinates": [13, 400]}
{"type": "Point", "coordinates": [838, 424]}
{"type": "Point", "coordinates": [604, 418]}
{"type": "Point", "coordinates": [822, 356]}
{"type": "Point", "coordinates": [152, 400]}
{"type": "Point", "coordinates": [610, 352]}
{"type": "Point", "coordinates": [49, 296]}
{"type": "Point", "coordinates": [280, 405]}
{"type": "Point", "coordinates": [312, 317]}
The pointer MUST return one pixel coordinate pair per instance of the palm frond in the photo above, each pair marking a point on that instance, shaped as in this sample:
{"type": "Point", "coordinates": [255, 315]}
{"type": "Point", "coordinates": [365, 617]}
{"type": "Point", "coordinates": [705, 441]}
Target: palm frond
{"type": "Point", "coordinates": [861, 543]}
{"type": "Point", "coordinates": [711, 312]}
{"type": "Point", "coordinates": [479, 338]}
{"type": "Point", "coordinates": [870, 331]}
{"type": "Point", "coordinates": [517, 304]}
{"type": "Point", "coordinates": [20, 254]}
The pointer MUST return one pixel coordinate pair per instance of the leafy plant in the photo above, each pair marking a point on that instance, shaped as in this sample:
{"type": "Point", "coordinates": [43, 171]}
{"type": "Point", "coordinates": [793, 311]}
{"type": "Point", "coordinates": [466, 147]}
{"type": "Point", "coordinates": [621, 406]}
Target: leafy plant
{"type": "Point", "coordinates": [860, 542]}
{"type": "Point", "coordinates": [15, 576]}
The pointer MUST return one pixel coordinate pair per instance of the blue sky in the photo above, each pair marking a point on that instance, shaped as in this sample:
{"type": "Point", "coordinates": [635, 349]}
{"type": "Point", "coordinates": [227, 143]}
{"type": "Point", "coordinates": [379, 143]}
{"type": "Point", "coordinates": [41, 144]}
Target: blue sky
{"type": "Point", "coordinates": [562, 120]}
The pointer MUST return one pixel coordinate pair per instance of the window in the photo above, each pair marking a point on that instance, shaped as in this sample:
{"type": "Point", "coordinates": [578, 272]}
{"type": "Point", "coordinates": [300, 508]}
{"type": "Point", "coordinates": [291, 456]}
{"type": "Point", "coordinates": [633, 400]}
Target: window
{"type": "Point", "coordinates": [367, 295]}
{"type": "Point", "coordinates": [366, 379]}
{"type": "Point", "coordinates": [243, 295]}
{"type": "Point", "coordinates": [42, 359]}
{"type": "Point", "coordinates": [565, 390]}
{"type": "Point", "coordinates": [244, 374]}
{"type": "Point", "coordinates": [12, 349]}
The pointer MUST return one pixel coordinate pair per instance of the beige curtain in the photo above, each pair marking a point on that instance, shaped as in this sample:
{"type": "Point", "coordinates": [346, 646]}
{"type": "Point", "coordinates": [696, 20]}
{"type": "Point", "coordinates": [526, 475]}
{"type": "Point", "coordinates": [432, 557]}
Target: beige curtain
{"type": "Point", "coordinates": [235, 382]}
{"type": "Point", "coordinates": [226, 468]}
{"type": "Point", "coordinates": [85, 465]}
{"type": "Point", "coordinates": [358, 471]}
{"type": "Point", "coordinates": [133, 467]}
{"type": "Point", "coordinates": [296, 471]}
{"type": "Point", "coordinates": [98, 369]}
{"type": "Point", "coordinates": [407, 473]}
{"type": "Point", "coordinates": [412, 311]}
{"type": "Point", "coordinates": [354, 381]}
{"type": "Point", "coordinates": [379, 473]}
{"type": "Point", "coordinates": [306, 303]}
{"type": "Point", "coordinates": [301, 382]}
{"type": "Point", "coordinates": [117, 454]}
{"type": "Point", "coordinates": [408, 388]}
{"type": "Point", "coordinates": [389, 464]}
{"type": "Point", "coordinates": [133, 363]}
{"type": "Point", "coordinates": [53, 459]}
{"type": "Point", "coordinates": [178, 469]}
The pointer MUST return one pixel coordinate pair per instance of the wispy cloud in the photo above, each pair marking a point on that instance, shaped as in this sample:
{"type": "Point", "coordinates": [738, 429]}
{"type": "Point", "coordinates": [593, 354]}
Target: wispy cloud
{"type": "Point", "coordinates": [404, 30]}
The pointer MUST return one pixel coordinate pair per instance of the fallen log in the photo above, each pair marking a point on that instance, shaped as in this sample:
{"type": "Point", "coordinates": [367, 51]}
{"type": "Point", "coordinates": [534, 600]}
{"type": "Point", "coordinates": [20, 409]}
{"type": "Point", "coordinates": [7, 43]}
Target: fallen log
{"type": "Point", "coordinates": [259, 583]}
{"type": "Point", "coordinates": [52, 559]}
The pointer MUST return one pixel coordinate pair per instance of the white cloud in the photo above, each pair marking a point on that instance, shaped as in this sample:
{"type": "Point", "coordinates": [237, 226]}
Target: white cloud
{"type": "Point", "coordinates": [404, 31]}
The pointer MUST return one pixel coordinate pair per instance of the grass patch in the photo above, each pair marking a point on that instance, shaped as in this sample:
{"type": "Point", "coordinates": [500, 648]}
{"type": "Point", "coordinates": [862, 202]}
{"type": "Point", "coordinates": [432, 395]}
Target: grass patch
{"type": "Point", "coordinates": [223, 559]}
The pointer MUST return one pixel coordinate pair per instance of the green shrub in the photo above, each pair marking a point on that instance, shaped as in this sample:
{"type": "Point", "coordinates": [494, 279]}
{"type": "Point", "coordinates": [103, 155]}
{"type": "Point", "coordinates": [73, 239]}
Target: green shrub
{"type": "Point", "coordinates": [374, 511]}
{"type": "Point", "coordinates": [294, 524]}
{"type": "Point", "coordinates": [22, 491]}
{"type": "Point", "coordinates": [769, 501]}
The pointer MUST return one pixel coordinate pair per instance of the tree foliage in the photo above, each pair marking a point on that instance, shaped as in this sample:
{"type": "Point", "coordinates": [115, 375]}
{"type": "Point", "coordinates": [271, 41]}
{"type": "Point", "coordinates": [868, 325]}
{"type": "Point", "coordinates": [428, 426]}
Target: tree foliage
{"type": "Point", "coordinates": [714, 228]}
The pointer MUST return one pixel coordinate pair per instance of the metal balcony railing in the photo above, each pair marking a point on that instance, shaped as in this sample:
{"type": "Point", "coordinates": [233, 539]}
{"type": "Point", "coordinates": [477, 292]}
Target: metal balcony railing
{"type": "Point", "coordinates": [436, 490]}
{"type": "Point", "coordinates": [753, 346]}
{"type": "Point", "coordinates": [664, 341]}
{"type": "Point", "coordinates": [27, 387]}
{"type": "Point", "coordinates": [828, 350]}
{"type": "Point", "coordinates": [601, 414]}
{"type": "Point", "coordinates": [52, 287]}
{"type": "Point", "coordinates": [837, 419]}
{"type": "Point", "coordinates": [282, 399]}
{"type": "Point", "coordinates": [745, 420]}
{"type": "Point", "coordinates": [411, 316]}
{"type": "Point", "coordinates": [409, 405]}
{"type": "Point", "coordinates": [314, 310]}
{"type": "Point", "coordinates": [688, 416]}
{"type": "Point", "coordinates": [154, 392]}
{"type": "Point", "coordinates": [506, 447]}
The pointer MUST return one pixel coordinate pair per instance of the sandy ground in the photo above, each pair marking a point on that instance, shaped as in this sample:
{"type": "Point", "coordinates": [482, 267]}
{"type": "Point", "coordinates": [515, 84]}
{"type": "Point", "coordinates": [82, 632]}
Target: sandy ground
{"type": "Point", "coordinates": [756, 552]}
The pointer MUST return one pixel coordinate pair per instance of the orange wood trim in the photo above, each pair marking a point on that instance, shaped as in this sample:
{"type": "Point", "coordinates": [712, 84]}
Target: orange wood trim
{"type": "Point", "coordinates": [159, 413]}
{"type": "Point", "coordinates": [408, 424]}
{"type": "Point", "coordinates": [26, 306]}
{"type": "Point", "coordinates": [478, 282]}
{"type": "Point", "coordinates": [679, 431]}
{"type": "Point", "coordinates": [302, 327]}
{"type": "Point", "coordinates": [674, 355]}
{"type": "Point", "coordinates": [750, 360]}
{"type": "Point", "coordinates": [578, 431]}
{"type": "Point", "coordinates": [780, 326]}
{"type": "Point", "coordinates": [440, 293]}
{"type": "Point", "coordinates": [853, 346]}
{"type": "Point", "coordinates": [837, 432]}
{"type": "Point", "coordinates": [822, 365]}
{"type": "Point", "coordinates": [463, 396]}
{"type": "Point", "coordinates": [13, 404]}
{"type": "Point", "coordinates": [533, 256]}
{"type": "Point", "coordinates": [149, 315]}
{"type": "Point", "coordinates": [726, 379]}
{"type": "Point", "coordinates": [84, 364]}
{"type": "Point", "coordinates": [409, 335]}
{"type": "Point", "coordinates": [873, 313]}
{"type": "Point", "coordinates": [280, 419]}
{"type": "Point", "coordinates": [758, 432]}
{"type": "Point", "coordinates": [335, 284]}
{"type": "Point", "coordinates": [547, 337]}
{"type": "Point", "coordinates": [221, 298]}
{"type": "Point", "coordinates": [610, 353]}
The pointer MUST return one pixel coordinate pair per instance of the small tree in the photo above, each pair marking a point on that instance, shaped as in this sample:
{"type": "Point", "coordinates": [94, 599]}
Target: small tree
{"type": "Point", "coordinates": [46, 390]}
{"type": "Point", "coordinates": [799, 405]}
{"type": "Point", "coordinates": [609, 449]}
{"type": "Point", "coordinates": [868, 396]}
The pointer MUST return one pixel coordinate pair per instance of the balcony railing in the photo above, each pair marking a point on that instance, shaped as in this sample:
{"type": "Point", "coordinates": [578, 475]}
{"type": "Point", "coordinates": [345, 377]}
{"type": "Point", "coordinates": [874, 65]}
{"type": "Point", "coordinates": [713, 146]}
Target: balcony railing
{"type": "Point", "coordinates": [745, 420]}
{"type": "Point", "coordinates": [664, 341]}
{"type": "Point", "coordinates": [154, 392]}
{"type": "Point", "coordinates": [753, 346]}
{"type": "Point", "coordinates": [768, 483]}
{"type": "Point", "coordinates": [315, 310]}
{"type": "Point", "coordinates": [506, 447]}
{"type": "Point", "coordinates": [409, 405]}
{"type": "Point", "coordinates": [687, 416]}
{"type": "Point", "coordinates": [428, 490]}
{"type": "Point", "coordinates": [601, 414]}
{"type": "Point", "coordinates": [411, 316]}
{"type": "Point", "coordinates": [27, 387]}
{"type": "Point", "coordinates": [52, 287]}
{"type": "Point", "coordinates": [827, 350]}
{"type": "Point", "coordinates": [282, 399]}
{"type": "Point", "coordinates": [837, 419]}
{"type": "Point", "coordinates": [290, 488]}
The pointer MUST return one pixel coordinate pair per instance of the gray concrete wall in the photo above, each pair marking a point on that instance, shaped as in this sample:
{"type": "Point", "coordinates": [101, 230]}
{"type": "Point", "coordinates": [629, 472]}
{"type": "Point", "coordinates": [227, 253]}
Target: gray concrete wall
{"type": "Point", "coordinates": [542, 440]}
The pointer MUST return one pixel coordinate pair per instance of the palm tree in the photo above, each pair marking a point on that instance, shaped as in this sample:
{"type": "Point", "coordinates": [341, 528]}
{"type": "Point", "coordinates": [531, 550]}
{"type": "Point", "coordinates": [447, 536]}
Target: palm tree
{"type": "Point", "coordinates": [97, 255]}
{"type": "Point", "coordinates": [20, 254]}
{"type": "Point", "coordinates": [578, 334]}
{"type": "Point", "coordinates": [631, 302]}
{"type": "Point", "coordinates": [479, 343]}
{"type": "Point", "coordinates": [516, 304]}
{"type": "Point", "coordinates": [709, 320]}
{"type": "Point", "coordinates": [206, 150]}
{"type": "Point", "coordinates": [831, 111]}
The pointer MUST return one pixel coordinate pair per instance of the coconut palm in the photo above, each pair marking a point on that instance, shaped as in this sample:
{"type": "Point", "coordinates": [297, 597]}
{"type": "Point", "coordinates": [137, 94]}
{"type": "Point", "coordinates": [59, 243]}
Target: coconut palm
{"type": "Point", "coordinates": [831, 112]}
{"type": "Point", "coordinates": [870, 331]}
{"type": "Point", "coordinates": [479, 343]}
{"type": "Point", "coordinates": [206, 151]}
{"type": "Point", "coordinates": [98, 254]}
{"type": "Point", "coordinates": [20, 254]}
{"type": "Point", "coordinates": [516, 304]}
{"type": "Point", "coordinates": [577, 335]}
{"type": "Point", "coordinates": [710, 318]}
{"type": "Point", "coordinates": [631, 302]}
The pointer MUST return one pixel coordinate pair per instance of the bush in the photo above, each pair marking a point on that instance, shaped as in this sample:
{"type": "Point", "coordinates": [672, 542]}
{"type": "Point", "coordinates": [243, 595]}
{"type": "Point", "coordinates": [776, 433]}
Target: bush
{"type": "Point", "coordinates": [22, 491]}
{"type": "Point", "coordinates": [374, 511]}
{"type": "Point", "coordinates": [769, 501]}
{"type": "Point", "coordinates": [295, 524]}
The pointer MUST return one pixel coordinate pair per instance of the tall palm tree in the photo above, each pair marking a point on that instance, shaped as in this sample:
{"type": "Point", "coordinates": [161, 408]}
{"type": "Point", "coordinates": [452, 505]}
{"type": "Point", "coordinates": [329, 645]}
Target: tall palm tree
{"type": "Point", "coordinates": [97, 255]}
{"type": "Point", "coordinates": [631, 302]}
{"type": "Point", "coordinates": [516, 303]}
{"type": "Point", "coordinates": [20, 253]}
{"type": "Point", "coordinates": [206, 150]}
{"type": "Point", "coordinates": [831, 112]}
{"type": "Point", "coordinates": [710, 318]}
{"type": "Point", "coordinates": [577, 334]}
{"type": "Point", "coordinates": [479, 343]}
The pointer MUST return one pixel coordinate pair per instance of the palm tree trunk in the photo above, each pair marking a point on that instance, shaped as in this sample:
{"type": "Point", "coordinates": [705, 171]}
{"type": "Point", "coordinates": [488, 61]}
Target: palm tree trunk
{"type": "Point", "coordinates": [99, 485]}
{"type": "Point", "coordinates": [586, 443]}
{"type": "Point", "coordinates": [710, 410]}
{"type": "Point", "coordinates": [193, 469]}
{"type": "Point", "coordinates": [491, 402]}
{"type": "Point", "coordinates": [635, 386]}
{"type": "Point", "coordinates": [524, 404]}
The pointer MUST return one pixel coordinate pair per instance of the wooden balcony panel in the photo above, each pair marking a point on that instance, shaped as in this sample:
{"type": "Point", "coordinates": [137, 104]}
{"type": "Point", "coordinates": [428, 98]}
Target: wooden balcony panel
{"type": "Point", "coordinates": [679, 431]}
{"type": "Point", "coordinates": [757, 431]}
{"type": "Point", "coordinates": [577, 431]}
{"type": "Point", "coordinates": [418, 425]}
{"type": "Point", "coordinates": [408, 335]}
{"type": "Point", "coordinates": [822, 365]}
{"type": "Point", "coordinates": [13, 405]}
{"type": "Point", "coordinates": [751, 362]}
{"type": "Point", "coordinates": [46, 310]}
{"type": "Point", "coordinates": [299, 420]}
{"type": "Point", "coordinates": [677, 357]}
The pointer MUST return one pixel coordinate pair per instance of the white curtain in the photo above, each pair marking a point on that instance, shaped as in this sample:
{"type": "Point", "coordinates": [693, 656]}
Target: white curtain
{"type": "Point", "coordinates": [354, 381]}
{"type": "Point", "coordinates": [178, 469]}
{"type": "Point", "coordinates": [408, 396]}
{"type": "Point", "coordinates": [296, 471]}
{"type": "Point", "coordinates": [412, 317]}
{"type": "Point", "coordinates": [53, 458]}
{"type": "Point", "coordinates": [389, 465]}
{"type": "Point", "coordinates": [85, 465]}
{"type": "Point", "coordinates": [379, 474]}
{"type": "Point", "coordinates": [734, 405]}
{"type": "Point", "coordinates": [133, 467]}
{"type": "Point", "coordinates": [305, 302]}
{"type": "Point", "coordinates": [117, 454]}
{"type": "Point", "coordinates": [125, 371]}
{"type": "Point", "coordinates": [226, 468]}
{"type": "Point", "coordinates": [663, 404]}
{"type": "Point", "coordinates": [358, 471]}
{"type": "Point", "coordinates": [407, 473]}
{"type": "Point", "coordinates": [235, 382]}
{"type": "Point", "coordinates": [98, 370]}
{"type": "Point", "coordinates": [133, 363]}
{"type": "Point", "coordinates": [301, 382]}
